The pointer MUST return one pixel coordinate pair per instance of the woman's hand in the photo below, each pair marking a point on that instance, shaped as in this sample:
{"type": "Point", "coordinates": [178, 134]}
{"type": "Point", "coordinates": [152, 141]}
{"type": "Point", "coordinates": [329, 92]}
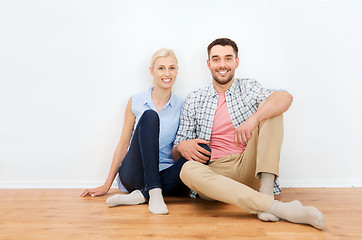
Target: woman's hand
{"type": "Point", "coordinates": [94, 192]}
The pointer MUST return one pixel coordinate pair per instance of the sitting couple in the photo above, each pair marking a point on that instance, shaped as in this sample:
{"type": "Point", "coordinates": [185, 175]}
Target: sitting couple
{"type": "Point", "coordinates": [223, 143]}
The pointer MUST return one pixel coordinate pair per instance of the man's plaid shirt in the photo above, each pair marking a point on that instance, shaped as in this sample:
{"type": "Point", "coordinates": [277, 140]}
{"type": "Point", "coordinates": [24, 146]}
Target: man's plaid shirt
{"type": "Point", "coordinates": [197, 116]}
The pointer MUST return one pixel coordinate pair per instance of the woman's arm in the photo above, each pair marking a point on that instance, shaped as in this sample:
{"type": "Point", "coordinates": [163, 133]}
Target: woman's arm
{"type": "Point", "coordinates": [119, 154]}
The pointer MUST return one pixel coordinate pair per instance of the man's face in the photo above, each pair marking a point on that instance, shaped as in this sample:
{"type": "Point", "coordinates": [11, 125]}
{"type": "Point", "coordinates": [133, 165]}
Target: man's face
{"type": "Point", "coordinates": [222, 64]}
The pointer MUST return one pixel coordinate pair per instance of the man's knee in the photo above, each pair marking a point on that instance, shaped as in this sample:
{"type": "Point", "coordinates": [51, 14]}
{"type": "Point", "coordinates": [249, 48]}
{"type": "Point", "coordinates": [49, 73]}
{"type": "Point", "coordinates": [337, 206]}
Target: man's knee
{"type": "Point", "coordinates": [187, 170]}
{"type": "Point", "coordinates": [276, 122]}
{"type": "Point", "coordinates": [276, 118]}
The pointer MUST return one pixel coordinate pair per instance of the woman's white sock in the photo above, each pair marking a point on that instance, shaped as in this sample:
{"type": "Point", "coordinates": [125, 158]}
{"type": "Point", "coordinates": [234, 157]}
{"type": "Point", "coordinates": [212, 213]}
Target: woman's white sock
{"type": "Point", "coordinates": [134, 198]}
{"type": "Point", "coordinates": [156, 204]}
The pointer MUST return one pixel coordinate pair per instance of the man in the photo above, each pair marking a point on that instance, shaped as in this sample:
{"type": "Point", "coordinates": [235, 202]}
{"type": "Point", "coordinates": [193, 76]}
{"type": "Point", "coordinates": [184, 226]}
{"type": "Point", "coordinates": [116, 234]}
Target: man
{"type": "Point", "coordinates": [242, 124]}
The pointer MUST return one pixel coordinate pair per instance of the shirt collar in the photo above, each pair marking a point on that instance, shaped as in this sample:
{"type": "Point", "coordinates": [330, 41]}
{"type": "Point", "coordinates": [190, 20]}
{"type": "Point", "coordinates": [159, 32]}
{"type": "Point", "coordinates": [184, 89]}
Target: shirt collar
{"type": "Point", "coordinates": [232, 90]}
{"type": "Point", "coordinates": [172, 100]}
{"type": "Point", "coordinates": [234, 87]}
{"type": "Point", "coordinates": [211, 90]}
{"type": "Point", "coordinates": [148, 100]}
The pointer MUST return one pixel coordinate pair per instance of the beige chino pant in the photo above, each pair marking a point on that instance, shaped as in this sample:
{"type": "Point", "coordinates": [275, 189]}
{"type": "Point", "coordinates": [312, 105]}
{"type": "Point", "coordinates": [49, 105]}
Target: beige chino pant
{"type": "Point", "coordinates": [235, 178]}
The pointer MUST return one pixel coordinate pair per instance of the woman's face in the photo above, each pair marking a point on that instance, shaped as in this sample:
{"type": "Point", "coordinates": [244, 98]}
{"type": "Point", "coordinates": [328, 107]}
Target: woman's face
{"type": "Point", "coordinates": [164, 72]}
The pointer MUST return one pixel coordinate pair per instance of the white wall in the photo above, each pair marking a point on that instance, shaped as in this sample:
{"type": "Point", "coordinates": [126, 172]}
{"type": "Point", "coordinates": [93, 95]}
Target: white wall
{"type": "Point", "coordinates": [67, 69]}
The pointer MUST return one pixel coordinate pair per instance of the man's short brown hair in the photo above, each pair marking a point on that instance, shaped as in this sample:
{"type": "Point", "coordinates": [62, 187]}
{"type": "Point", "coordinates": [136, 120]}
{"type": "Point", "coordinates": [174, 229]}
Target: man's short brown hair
{"type": "Point", "coordinates": [223, 42]}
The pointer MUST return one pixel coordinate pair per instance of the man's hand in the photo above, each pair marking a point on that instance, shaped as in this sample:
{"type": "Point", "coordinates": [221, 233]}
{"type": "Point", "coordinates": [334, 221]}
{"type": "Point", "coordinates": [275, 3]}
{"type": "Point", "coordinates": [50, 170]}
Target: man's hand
{"type": "Point", "coordinates": [244, 132]}
{"type": "Point", "coordinates": [191, 150]}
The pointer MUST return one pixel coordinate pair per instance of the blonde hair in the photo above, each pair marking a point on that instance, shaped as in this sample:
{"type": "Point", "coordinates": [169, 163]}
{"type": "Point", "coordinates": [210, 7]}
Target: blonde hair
{"type": "Point", "coordinates": [163, 52]}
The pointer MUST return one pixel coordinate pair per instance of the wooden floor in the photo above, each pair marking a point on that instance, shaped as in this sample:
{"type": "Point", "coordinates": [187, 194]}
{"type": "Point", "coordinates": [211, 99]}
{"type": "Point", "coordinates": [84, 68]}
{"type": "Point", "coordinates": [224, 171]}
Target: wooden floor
{"type": "Point", "coordinates": [62, 214]}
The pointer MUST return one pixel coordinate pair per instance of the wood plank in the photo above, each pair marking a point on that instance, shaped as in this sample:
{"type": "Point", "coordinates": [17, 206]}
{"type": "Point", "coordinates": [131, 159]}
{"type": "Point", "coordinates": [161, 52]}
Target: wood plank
{"type": "Point", "coordinates": [62, 214]}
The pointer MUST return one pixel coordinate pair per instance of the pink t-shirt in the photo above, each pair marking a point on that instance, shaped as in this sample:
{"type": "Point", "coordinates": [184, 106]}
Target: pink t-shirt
{"type": "Point", "coordinates": [222, 135]}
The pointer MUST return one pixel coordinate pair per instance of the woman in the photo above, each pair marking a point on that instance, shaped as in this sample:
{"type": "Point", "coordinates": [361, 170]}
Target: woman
{"type": "Point", "coordinates": [145, 167]}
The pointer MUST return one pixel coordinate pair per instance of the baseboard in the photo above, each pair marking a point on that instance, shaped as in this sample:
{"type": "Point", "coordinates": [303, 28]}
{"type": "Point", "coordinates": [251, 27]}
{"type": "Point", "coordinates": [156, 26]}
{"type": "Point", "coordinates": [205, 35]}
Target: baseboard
{"type": "Point", "coordinates": [50, 184]}
{"type": "Point", "coordinates": [285, 183]}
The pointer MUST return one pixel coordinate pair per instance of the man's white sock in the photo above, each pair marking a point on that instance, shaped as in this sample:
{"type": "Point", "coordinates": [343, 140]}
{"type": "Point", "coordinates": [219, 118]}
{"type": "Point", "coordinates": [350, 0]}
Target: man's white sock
{"type": "Point", "coordinates": [295, 212]}
{"type": "Point", "coordinates": [266, 187]}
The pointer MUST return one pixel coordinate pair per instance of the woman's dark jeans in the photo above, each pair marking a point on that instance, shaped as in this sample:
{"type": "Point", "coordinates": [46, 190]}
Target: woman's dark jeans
{"type": "Point", "coordinates": [139, 169]}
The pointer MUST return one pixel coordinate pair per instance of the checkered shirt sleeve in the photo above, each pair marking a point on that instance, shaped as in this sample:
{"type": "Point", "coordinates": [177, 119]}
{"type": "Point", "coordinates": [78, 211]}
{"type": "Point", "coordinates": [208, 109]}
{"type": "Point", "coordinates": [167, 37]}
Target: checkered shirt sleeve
{"type": "Point", "coordinates": [187, 127]}
{"type": "Point", "coordinates": [197, 115]}
{"type": "Point", "coordinates": [256, 90]}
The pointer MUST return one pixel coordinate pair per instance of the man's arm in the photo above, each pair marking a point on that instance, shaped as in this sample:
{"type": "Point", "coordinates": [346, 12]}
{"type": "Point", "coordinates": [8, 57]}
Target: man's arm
{"type": "Point", "coordinates": [191, 150]}
{"type": "Point", "coordinates": [186, 143]}
{"type": "Point", "coordinates": [276, 104]}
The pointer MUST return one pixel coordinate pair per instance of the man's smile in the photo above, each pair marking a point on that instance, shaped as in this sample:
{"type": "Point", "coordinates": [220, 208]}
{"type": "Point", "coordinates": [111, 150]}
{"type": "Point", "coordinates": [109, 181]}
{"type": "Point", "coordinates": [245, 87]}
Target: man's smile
{"type": "Point", "coordinates": [223, 71]}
